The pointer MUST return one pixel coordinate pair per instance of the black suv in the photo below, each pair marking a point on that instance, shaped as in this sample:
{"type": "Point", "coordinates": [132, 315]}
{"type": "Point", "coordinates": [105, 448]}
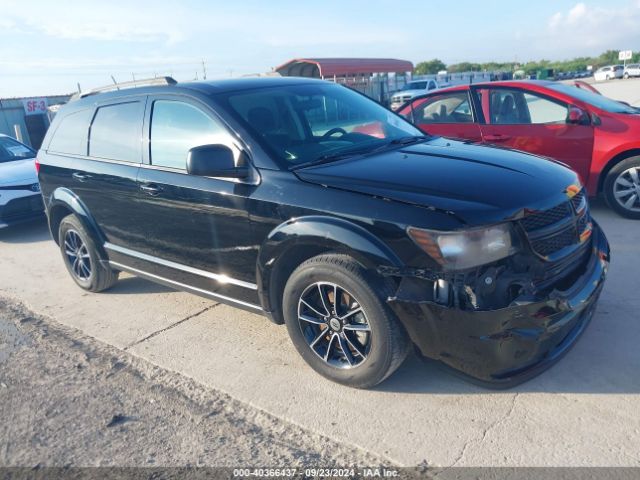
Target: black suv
{"type": "Point", "coordinates": [309, 203]}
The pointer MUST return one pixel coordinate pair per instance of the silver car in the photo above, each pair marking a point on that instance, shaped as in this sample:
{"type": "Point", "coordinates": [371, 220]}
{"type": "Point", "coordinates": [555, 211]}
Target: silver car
{"type": "Point", "coordinates": [20, 197]}
{"type": "Point", "coordinates": [632, 70]}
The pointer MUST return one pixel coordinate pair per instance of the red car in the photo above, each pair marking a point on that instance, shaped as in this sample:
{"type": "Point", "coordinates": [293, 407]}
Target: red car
{"type": "Point", "coordinates": [598, 137]}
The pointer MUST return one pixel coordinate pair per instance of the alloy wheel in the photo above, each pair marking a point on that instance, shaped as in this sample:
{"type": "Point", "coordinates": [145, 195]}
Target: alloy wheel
{"type": "Point", "coordinates": [334, 325]}
{"type": "Point", "coordinates": [77, 255]}
{"type": "Point", "coordinates": [626, 189]}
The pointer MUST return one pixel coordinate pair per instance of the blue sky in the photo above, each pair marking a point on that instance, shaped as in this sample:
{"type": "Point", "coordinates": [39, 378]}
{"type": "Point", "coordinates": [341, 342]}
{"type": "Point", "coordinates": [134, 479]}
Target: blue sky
{"type": "Point", "coordinates": [48, 47]}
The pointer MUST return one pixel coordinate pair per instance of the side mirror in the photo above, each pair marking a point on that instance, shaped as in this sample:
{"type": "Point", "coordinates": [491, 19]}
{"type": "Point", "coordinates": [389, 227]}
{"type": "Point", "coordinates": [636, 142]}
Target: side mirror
{"type": "Point", "coordinates": [578, 116]}
{"type": "Point", "coordinates": [214, 161]}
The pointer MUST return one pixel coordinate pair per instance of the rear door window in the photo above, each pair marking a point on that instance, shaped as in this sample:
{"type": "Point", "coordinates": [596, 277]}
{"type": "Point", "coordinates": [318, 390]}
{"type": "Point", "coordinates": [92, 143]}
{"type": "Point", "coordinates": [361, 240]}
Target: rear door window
{"type": "Point", "coordinates": [116, 132]}
{"type": "Point", "coordinates": [516, 107]}
{"type": "Point", "coordinates": [71, 135]}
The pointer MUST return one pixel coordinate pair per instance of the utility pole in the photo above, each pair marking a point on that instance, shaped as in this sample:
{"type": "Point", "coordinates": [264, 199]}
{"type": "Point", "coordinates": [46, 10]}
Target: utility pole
{"type": "Point", "coordinates": [204, 70]}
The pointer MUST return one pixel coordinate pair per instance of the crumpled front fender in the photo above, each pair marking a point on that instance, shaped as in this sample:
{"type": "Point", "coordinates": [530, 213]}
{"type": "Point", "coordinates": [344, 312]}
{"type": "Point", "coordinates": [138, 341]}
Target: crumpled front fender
{"type": "Point", "coordinates": [506, 346]}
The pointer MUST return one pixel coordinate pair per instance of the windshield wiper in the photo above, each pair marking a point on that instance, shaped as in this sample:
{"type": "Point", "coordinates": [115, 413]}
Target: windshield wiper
{"type": "Point", "coordinates": [403, 142]}
{"type": "Point", "coordinates": [409, 140]}
{"type": "Point", "coordinates": [332, 157]}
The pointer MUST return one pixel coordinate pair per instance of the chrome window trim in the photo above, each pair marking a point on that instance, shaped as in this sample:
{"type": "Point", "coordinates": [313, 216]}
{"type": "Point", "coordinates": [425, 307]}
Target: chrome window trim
{"type": "Point", "coordinates": [184, 286]}
{"type": "Point", "coordinates": [181, 171]}
{"type": "Point", "coordinates": [221, 278]}
{"type": "Point", "coordinates": [93, 159]}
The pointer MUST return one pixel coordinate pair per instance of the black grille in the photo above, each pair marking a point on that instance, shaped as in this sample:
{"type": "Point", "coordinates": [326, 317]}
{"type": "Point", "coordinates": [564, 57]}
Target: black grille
{"type": "Point", "coordinates": [583, 221]}
{"type": "Point", "coordinates": [546, 217]}
{"type": "Point", "coordinates": [556, 242]}
{"type": "Point", "coordinates": [562, 267]}
{"type": "Point", "coordinates": [552, 230]}
{"type": "Point", "coordinates": [22, 206]}
{"type": "Point", "coordinates": [577, 200]}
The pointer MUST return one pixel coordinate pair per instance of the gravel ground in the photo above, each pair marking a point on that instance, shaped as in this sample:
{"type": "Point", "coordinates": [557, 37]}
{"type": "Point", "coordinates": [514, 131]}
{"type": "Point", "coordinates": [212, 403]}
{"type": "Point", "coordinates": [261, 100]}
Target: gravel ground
{"type": "Point", "coordinates": [69, 400]}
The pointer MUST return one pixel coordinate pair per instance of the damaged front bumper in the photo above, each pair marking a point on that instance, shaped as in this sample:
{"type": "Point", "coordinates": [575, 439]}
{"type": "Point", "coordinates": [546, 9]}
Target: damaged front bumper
{"type": "Point", "coordinates": [507, 346]}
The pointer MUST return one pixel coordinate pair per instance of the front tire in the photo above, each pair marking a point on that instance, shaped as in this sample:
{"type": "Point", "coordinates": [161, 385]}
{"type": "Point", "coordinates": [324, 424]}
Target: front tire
{"type": "Point", "coordinates": [81, 256]}
{"type": "Point", "coordinates": [338, 321]}
{"type": "Point", "coordinates": [622, 188]}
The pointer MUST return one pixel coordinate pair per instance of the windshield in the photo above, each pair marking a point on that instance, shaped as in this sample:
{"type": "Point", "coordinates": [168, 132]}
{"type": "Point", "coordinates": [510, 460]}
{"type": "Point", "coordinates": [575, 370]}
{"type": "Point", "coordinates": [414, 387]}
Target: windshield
{"type": "Point", "coordinates": [312, 122]}
{"type": "Point", "coordinates": [415, 86]}
{"type": "Point", "coordinates": [11, 150]}
{"type": "Point", "coordinates": [598, 101]}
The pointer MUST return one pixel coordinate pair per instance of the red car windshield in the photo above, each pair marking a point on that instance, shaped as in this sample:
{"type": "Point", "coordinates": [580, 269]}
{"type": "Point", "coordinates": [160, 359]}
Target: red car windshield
{"type": "Point", "coordinates": [598, 101]}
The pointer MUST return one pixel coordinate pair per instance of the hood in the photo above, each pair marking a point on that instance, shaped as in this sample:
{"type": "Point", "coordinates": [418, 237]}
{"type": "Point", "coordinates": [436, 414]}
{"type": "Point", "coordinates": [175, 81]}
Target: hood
{"type": "Point", "coordinates": [478, 184]}
{"type": "Point", "coordinates": [18, 172]}
{"type": "Point", "coordinates": [408, 93]}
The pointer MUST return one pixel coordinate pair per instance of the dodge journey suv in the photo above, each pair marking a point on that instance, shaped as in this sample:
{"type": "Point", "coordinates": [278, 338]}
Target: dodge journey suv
{"type": "Point", "coordinates": [308, 203]}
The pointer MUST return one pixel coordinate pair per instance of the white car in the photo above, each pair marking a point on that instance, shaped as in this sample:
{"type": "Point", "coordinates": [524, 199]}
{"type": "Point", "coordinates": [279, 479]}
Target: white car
{"type": "Point", "coordinates": [413, 89]}
{"type": "Point", "coordinates": [608, 73]}
{"type": "Point", "coordinates": [20, 197]}
{"type": "Point", "coordinates": [632, 70]}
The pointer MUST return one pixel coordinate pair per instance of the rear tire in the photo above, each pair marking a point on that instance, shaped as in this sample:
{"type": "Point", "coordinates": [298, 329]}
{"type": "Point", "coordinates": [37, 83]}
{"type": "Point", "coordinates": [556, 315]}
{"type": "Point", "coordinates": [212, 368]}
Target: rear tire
{"type": "Point", "coordinates": [81, 256]}
{"type": "Point", "coordinates": [622, 188]}
{"type": "Point", "coordinates": [356, 340]}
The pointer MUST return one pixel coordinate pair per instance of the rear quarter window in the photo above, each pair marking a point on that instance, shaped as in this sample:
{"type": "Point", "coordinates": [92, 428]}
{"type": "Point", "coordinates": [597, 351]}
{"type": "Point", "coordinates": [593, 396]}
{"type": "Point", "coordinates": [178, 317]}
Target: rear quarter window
{"type": "Point", "coordinates": [116, 132]}
{"type": "Point", "coordinates": [70, 137]}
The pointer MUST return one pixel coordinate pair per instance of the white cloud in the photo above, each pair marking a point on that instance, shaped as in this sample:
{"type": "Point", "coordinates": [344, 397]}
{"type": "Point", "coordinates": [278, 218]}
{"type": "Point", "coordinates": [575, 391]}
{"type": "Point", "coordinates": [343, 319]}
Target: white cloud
{"type": "Point", "coordinates": [577, 13]}
{"type": "Point", "coordinates": [555, 20]}
{"type": "Point", "coordinates": [6, 24]}
{"type": "Point", "coordinates": [585, 28]}
{"type": "Point", "coordinates": [138, 22]}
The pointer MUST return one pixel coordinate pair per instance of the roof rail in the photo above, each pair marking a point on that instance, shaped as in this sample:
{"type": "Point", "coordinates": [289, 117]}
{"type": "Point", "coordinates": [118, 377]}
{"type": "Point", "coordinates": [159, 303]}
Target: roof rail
{"type": "Point", "coordinates": [124, 85]}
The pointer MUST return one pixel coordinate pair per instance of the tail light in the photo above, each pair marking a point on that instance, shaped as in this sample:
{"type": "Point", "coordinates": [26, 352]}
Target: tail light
{"type": "Point", "coordinates": [37, 165]}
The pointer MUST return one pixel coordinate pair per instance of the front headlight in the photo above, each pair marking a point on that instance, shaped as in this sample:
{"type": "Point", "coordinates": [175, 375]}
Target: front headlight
{"type": "Point", "coordinates": [466, 248]}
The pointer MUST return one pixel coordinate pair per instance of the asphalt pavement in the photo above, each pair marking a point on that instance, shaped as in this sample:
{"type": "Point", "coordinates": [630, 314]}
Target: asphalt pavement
{"type": "Point", "coordinates": [626, 90]}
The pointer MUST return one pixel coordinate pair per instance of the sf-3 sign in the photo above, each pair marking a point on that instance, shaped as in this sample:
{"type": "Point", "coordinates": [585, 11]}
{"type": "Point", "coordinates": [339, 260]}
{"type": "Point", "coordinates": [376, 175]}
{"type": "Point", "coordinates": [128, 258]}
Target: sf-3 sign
{"type": "Point", "coordinates": [35, 106]}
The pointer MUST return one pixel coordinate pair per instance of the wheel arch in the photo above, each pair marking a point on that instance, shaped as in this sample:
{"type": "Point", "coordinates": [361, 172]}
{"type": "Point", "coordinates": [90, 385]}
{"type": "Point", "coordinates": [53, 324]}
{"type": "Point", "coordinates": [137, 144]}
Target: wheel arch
{"type": "Point", "coordinates": [64, 202]}
{"type": "Point", "coordinates": [297, 240]}
{"type": "Point", "coordinates": [615, 160]}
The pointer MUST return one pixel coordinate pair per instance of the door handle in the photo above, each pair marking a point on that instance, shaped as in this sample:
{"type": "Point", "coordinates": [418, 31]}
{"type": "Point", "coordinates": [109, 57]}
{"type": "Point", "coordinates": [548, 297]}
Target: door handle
{"type": "Point", "coordinates": [496, 138]}
{"type": "Point", "coordinates": [81, 177]}
{"type": "Point", "coordinates": [151, 189]}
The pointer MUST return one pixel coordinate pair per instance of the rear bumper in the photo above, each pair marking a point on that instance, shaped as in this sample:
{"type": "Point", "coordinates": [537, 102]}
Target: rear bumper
{"type": "Point", "coordinates": [502, 348]}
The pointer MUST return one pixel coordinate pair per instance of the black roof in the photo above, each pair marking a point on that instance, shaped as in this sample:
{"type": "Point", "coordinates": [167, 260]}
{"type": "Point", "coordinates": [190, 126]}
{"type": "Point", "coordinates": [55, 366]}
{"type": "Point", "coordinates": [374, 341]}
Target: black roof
{"type": "Point", "coordinates": [245, 83]}
{"type": "Point", "coordinates": [203, 87]}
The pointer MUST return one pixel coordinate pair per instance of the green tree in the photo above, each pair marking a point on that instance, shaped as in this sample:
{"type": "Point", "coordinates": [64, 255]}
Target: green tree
{"type": "Point", "coordinates": [610, 57]}
{"type": "Point", "coordinates": [464, 67]}
{"type": "Point", "coordinates": [429, 67]}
